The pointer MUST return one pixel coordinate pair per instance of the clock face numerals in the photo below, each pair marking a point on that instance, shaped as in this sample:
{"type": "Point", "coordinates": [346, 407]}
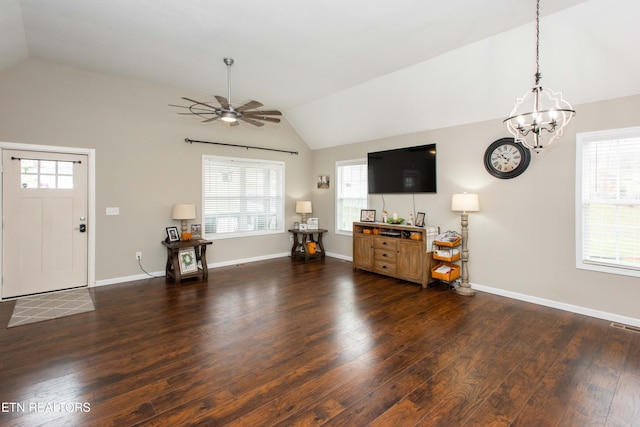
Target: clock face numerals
{"type": "Point", "coordinates": [505, 158]}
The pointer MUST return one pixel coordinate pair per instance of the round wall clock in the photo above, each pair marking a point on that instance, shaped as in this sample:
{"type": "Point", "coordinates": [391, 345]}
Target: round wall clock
{"type": "Point", "coordinates": [506, 158]}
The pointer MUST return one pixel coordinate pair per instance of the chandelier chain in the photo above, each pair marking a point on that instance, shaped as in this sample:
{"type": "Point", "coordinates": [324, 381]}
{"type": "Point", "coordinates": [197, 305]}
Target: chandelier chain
{"type": "Point", "coordinates": [538, 75]}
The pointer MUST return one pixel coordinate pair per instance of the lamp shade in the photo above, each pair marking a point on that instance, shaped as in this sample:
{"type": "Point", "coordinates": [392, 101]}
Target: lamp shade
{"type": "Point", "coordinates": [303, 207]}
{"type": "Point", "coordinates": [465, 202]}
{"type": "Point", "coordinates": [184, 211]}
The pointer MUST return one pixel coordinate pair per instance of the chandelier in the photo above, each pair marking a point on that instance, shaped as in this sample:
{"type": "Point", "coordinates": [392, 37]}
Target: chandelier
{"type": "Point", "coordinates": [539, 117]}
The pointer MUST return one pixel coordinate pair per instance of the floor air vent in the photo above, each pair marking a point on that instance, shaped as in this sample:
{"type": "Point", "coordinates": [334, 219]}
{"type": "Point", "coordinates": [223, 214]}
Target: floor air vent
{"type": "Point", "coordinates": [625, 327]}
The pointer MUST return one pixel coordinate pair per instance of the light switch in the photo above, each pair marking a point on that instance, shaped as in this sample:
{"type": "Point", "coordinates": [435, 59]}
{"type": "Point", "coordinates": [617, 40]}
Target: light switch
{"type": "Point", "coordinates": [113, 211]}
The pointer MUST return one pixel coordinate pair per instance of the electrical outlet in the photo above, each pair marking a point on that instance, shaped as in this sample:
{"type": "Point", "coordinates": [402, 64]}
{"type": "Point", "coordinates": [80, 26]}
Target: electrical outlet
{"type": "Point", "coordinates": [139, 255]}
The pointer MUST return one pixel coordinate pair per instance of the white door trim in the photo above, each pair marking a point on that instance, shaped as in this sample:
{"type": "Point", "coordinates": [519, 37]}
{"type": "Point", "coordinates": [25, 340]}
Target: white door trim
{"type": "Point", "coordinates": [91, 187]}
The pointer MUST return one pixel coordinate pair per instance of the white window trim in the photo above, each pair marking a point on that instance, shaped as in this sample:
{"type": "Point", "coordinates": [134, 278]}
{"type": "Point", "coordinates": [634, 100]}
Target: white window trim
{"type": "Point", "coordinates": [340, 163]}
{"type": "Point", "coordinates": [278, 230]}
{"type": "Point", "coordinates": [581, 139]}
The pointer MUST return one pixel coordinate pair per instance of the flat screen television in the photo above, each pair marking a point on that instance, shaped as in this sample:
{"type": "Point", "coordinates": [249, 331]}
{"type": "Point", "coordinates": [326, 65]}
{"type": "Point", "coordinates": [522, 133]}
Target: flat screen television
{"type": "Point", "coordinates": [403, 170]}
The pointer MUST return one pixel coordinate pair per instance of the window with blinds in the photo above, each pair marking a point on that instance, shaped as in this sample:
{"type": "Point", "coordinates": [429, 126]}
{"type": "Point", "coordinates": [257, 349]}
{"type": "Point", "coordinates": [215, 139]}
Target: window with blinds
{"type": "Point", "coordinates": [351, 193]}
{"type": "Point", "coordinates": [242, 197]}
{"type": "Point", "coordinates": [608, 201]}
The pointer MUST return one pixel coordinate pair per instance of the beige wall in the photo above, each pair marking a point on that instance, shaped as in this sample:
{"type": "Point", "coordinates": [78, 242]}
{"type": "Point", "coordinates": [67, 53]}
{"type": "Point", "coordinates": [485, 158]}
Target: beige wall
{"type": "Point", "coordinates": [523, 239]}
{"type": "Point", "coordinates": [143, 165]}
{"type": "Point", "coordinates": [521, 242]}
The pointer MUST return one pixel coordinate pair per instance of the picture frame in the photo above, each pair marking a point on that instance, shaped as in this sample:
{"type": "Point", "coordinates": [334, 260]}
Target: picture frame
{"type": "Point", "coordinates": [420, 219]}
{"type": "Point", "coordinates": [188, 261]}
{"type": "Point", "coordinates": [172, 234]}
{"type": "Point", "coordinates": [367, 215]}
{"type": "Point", "coordinates": [323, 182]}
{"type": "Point", "coordinates": [303, 227]}
{"type": "Point", "coordinates": [312, 223]}
{"type": "Point", "coordinates": [196, 231]}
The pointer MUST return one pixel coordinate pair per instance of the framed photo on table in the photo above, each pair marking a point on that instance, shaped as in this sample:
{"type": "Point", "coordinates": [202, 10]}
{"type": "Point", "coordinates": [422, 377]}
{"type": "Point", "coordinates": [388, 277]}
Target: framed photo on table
{"type": "Point", "coordinates": [312, 223]}
{"type": "Point", "coordinates": [420, 219]}
{"type": "Point", "coordinates": [172, 234]}
{"type": "Point", "coordinates": [367, 215]}
{"type": "Point", "coordinates": [196, 231]}
{"type": "Point", "coordinates": [188, 262]}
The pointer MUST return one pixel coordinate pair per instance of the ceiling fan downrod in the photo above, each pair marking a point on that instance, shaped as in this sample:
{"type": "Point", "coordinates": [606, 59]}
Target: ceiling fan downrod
{"type": "Point", "coordinates": [229, 62]}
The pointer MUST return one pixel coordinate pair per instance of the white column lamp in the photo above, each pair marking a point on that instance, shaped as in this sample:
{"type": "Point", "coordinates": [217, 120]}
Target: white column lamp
{"type": "Point", "coordinates": [465, 203]}
{"type": "Point", "coordinates": [183, 212]}
{"type": "Point", "coordinates": [303, 207]}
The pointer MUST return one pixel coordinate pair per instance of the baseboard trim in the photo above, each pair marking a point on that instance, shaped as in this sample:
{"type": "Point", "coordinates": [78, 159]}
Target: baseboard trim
{"type": "Point", "coordinates": [214, 265]}
{"type": "Point", "coordinates": [559, 305]}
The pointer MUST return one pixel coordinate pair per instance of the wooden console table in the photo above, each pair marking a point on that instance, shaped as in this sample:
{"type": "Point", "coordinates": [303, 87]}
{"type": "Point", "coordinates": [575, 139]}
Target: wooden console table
{"type": "Point", "coordinates": [299, 248]}
{"type": "Point", "coordinates": [399, 251]}
{"type": "Point", "coordinates": [172, 269]}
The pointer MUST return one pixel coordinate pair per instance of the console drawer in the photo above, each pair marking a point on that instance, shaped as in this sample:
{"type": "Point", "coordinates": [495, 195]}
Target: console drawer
{"type": "Point", "coordinates": [385, 267]}
{"type": "Point", "coordinates": [384, 243]}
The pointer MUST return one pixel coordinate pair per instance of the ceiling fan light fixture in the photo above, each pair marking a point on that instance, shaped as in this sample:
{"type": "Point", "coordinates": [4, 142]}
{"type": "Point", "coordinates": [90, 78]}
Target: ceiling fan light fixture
{"type": "Point", "coordinates": [228, 116]}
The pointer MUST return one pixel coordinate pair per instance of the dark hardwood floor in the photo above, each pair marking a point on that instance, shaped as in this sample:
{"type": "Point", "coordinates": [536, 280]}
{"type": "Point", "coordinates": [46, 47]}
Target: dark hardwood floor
{"type": "Point", "coordinates": [282, 343]}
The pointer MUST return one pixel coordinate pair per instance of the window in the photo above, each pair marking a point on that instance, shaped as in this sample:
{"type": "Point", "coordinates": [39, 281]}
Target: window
{"type": "Point", "coordinates": [351, 193]}
{"type": "Point", "coordinates": [242, 197]}
{"type": "Point", "coordinates": [46, 174]}
{"type": "Point", "coordinates": [608, 201]}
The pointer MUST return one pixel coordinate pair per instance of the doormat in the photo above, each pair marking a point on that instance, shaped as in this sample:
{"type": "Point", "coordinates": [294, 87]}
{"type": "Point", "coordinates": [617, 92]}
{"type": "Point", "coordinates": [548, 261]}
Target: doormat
{"type": "Point", "coordinates": [39, 308]}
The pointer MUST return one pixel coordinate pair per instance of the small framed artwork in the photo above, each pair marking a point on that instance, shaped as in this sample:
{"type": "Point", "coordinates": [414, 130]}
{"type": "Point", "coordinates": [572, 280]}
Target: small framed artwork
{"type": "Point", "coordinates": [196, 231]}
{"type": "Point", "coordinates": [303, 227]}
{"type": "Point", "coordinates": [420, 219]}
{"type": "Point", "coordinates": [188, 262]}
{"type": "Point", "coordinates": [172, 234]}
{"type": "Point", "coordinates": [367, 215]}
{"type": "Point", "coordinates": [323, 182]}
{"type": "Point", "coordinates": [296, 225]}
{"type": "Point", "coordinates": [312, 223]}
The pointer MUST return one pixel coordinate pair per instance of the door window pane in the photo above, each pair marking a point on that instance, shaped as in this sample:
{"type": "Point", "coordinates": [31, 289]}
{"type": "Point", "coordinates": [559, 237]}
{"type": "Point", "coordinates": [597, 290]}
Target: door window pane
{"type": "Point", "coordinates": [46, 174]}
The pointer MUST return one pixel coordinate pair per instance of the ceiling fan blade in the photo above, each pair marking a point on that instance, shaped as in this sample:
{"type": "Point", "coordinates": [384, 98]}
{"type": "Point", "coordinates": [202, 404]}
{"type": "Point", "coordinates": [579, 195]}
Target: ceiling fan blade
{"type": "Point", "coordinates": [195, 110]}
{"type": "Point", "coordinates": [198, 102]}
{"type": "Point", "coordinates": [266, 119]}
{"type": "Point", "coordinates": [236, 123]}
{"type": "Point", "coordinates": [263, 113]}
{"type": "Point", "coordinates": [223, 102]}
{"type": "Point", "coordinates": [251, 105]}
{"type": "Point", "coordinates": [211, 119]}
{"type": "Point", "coordinates": [251, 121]}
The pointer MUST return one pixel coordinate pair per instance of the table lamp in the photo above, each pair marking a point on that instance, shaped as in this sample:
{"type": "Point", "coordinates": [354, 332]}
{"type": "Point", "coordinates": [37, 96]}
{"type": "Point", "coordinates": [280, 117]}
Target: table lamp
{"type": "Point", "coordinates": [303, 207]}
{"type": "Point", "coordinates": [465, 203]}
{"type": "Point", "coordinates": [183, 212]}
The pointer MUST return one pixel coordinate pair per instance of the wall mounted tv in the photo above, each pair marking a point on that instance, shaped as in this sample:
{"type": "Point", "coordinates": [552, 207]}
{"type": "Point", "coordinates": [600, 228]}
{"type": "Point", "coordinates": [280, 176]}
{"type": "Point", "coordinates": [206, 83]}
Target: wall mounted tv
{"type": "Point", "coordinates": [403, 170]}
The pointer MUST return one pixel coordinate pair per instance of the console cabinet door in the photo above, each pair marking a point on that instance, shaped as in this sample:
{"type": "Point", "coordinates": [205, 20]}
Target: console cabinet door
{"type": "Point", "coordinates": [363, 252]}
{"type": "Point", "coordinates": [410, 261]}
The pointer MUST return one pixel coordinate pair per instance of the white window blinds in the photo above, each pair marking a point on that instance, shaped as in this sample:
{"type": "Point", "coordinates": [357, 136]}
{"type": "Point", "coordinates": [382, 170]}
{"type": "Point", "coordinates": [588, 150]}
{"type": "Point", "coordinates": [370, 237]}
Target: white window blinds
{"type": "Point", "coordinates": [608, 201]}
{"type": "Point", "coordinates": [242, 197]}
{"type": "Point", "coordinates": [351, 193]}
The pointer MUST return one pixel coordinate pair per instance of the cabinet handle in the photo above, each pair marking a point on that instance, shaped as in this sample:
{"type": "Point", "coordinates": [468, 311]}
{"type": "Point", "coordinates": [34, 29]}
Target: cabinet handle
{"type": "Point", "coordinates": [384, 243]}
{"type": "Point", "coordinates": [384, 255]}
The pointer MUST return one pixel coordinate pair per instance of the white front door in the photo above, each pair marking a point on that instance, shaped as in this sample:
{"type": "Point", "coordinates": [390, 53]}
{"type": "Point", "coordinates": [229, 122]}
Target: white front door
{"type": "Point", "coordinates": [44, 213]}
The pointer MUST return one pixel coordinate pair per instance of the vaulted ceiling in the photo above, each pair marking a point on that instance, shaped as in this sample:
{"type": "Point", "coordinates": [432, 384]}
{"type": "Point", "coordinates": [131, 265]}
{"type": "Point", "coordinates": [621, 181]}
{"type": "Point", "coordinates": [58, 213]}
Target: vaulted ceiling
{"type": "Point", "coordinates": [342, 71]}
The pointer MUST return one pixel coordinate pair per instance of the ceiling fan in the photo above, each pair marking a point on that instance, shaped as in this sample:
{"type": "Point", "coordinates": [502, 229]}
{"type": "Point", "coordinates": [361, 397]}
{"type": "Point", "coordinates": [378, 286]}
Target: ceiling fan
{"type": "Point", "coordinates": [227, 112]}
